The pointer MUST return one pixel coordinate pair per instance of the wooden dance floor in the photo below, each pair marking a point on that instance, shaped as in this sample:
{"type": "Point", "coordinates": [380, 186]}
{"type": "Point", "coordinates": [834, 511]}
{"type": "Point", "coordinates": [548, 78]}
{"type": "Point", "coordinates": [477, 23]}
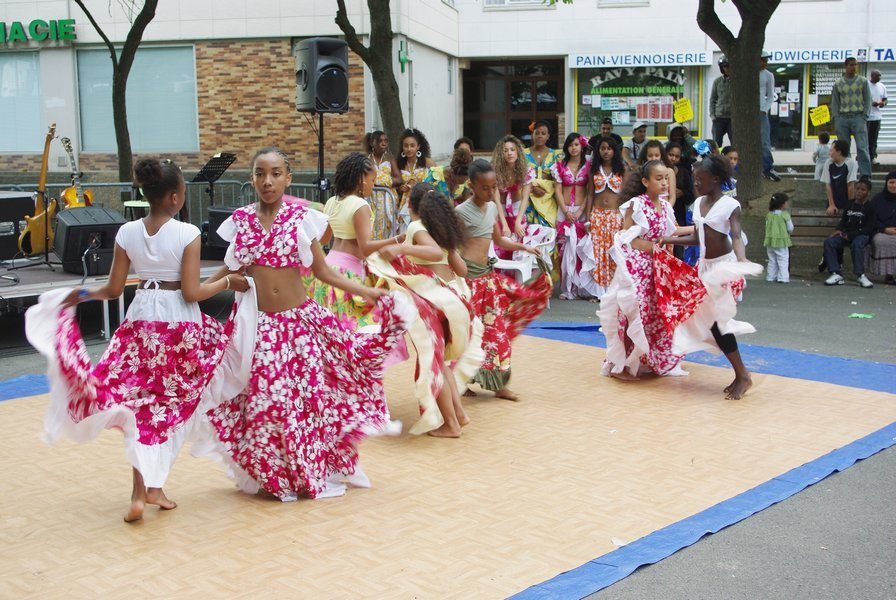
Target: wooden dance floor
{"type": "Point", "coordinates": [582, 464]}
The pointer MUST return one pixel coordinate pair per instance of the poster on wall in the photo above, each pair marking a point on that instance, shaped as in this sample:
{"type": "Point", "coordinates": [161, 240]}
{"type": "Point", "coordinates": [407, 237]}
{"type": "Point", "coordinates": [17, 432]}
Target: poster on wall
{"type": "Point", "coordinates": [629, 94]}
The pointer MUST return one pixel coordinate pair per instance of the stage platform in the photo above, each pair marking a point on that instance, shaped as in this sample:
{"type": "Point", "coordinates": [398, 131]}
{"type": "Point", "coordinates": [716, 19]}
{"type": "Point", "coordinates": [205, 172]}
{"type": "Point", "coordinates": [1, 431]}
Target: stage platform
{"type": "Point", "coordinates": [539, 497]}
{"type": "Point", "coordinates": [33, 281]}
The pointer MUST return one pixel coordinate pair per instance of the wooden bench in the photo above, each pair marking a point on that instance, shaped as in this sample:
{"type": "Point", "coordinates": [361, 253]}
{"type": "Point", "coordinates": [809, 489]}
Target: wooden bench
{"type": "Point", "coordinates": [811, 226]}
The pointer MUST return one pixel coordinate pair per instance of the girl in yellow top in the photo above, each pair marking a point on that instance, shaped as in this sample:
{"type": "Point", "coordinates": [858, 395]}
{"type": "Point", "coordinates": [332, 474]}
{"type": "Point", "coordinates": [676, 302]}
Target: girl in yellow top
{"type": "Point", "coordinates": [383, 204]}
{"type": "Point", "coordinates": [428, 267]}
{"type": "Point", "coordinates": [350, 221]}
{"type": "Point", "coordinates": [542, 209]}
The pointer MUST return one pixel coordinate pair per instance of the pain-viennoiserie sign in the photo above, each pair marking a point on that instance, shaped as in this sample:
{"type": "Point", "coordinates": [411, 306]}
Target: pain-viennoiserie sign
{"type": "Point", "coordinates": [38, 30]}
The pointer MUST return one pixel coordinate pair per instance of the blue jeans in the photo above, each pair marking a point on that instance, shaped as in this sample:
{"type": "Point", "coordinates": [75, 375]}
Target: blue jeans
{"type": "Point", "coordinates": [856, 126]}
{"type": "Point", "coordinates": [768, 162]}
{"type": "Point", "coordinates": [834, 245]}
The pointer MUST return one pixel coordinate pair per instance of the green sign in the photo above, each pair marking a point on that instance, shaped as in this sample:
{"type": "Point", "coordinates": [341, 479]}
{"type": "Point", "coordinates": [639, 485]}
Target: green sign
{"type": "Point", "coordinates": [38, 30]}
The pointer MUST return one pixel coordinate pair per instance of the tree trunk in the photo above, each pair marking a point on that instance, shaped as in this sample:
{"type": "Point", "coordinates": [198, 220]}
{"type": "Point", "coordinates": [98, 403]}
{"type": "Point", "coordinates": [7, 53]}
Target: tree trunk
{"type": "Point", "coordinates": [120, 118]}
{"type": "Point", "coordinates": [378, 58]}
{"type": "Point", "coordinates": [743, 53]}
{"type": "Point", "coordinates": [745, 117]}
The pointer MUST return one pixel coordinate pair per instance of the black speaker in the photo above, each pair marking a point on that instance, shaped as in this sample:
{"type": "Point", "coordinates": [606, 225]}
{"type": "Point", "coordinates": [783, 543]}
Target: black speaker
{"type": "Point", "coordinates": [322, 75]}
{"type": "Point", "coordinates": [14, 206]}
{"type": "Point", "coordinates": [78, 229]}
{"type": "Point", "coordinates": [216, 216]}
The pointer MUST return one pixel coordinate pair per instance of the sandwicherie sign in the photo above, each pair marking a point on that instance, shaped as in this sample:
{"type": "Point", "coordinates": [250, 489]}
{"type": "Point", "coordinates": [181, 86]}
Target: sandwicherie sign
{"type": "Point", "coordinates": [38, 30]}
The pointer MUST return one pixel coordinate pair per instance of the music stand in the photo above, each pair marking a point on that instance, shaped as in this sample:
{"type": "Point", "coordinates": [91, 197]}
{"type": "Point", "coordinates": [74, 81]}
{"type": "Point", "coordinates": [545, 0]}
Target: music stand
{"type": "Point", "coordinates": [212, 172]}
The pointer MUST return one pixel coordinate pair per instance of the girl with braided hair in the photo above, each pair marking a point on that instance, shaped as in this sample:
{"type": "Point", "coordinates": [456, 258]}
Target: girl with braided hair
{"type": "Point", "coordinates": [153, 379]}
{"type": "Point", "coordinates": [413, 163]}
{"type": "Point", "coordinates": [316, 385]}
{"type": "Point", "coordinates": [447, 335]}
{"type": "Point", "coordinates": [350, 221]}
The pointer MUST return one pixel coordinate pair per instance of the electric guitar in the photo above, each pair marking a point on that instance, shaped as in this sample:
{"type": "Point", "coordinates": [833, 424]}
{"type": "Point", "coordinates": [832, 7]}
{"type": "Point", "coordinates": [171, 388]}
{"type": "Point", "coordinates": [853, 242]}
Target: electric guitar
{"type": "Point", "coordinates": [74, 196]}
{"type": "Point", "coordinates": [38, 233]}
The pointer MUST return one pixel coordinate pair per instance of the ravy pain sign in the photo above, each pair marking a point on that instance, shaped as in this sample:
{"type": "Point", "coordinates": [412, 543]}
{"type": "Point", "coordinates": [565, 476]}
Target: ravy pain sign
{"type": "Point", "coordinates": [38, 30]}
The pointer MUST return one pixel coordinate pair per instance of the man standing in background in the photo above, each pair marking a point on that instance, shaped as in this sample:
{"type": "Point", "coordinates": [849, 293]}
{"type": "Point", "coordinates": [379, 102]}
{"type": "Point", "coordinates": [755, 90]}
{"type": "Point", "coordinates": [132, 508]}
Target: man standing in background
{"type": "Point", "coordinates": [878, 101]}
{"type": "Point", "coordinates": [720, 104]}
{"type": "Point", "coordinates": [850, 106]}
{"type": "Point", "coordinates": [766, 97]}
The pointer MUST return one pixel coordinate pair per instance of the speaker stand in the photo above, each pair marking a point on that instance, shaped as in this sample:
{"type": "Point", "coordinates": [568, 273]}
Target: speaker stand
{"type": "Point", "coordinates": [323, 184]}
{"type": "Point", "coordinates": [45, 260]}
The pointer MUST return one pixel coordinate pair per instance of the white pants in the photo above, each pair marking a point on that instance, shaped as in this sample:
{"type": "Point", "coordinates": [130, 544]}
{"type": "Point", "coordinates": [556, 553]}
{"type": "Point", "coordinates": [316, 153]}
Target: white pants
{"type": "Point", "coordinates": [778, 264]}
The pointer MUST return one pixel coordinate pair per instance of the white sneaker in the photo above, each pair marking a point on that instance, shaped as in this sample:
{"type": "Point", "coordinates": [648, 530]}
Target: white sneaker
{"type": "Point", "coordinates": [864, 281]}
{"type": "Point", "coordinates": [834, 279]}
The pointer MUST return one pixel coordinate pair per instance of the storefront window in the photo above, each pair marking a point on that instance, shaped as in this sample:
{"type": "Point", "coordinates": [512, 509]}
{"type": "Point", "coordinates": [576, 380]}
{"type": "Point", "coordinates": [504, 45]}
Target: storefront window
{"type": "Point", "coordinates": [821, 82]}
{"type": "Point", "coordinates": [161, 100]}
{"type": "Point", "coordinates": [634, 94]}
{"type": "Point", "coordinates": [786, 115]}
{"type": "Point", "coordinates": [20, 102]}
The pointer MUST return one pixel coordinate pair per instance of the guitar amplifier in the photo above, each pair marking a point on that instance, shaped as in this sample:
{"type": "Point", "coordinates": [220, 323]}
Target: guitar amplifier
{"type": "Point", "coordinates": [14, 207]}
{"type": "Point", "coordinates": [93, 227]}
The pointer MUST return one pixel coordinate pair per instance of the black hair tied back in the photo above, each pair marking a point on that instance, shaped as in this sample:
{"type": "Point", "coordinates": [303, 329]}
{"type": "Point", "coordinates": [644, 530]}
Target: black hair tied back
{"type": "Point", "coordinates": [156, 178]}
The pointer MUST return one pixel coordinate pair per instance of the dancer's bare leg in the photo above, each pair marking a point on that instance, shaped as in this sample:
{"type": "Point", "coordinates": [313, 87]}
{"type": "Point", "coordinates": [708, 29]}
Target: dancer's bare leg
{"type": "Point", "coordinates": [462, 419]}
{"type": "Point", "coordinates": [138, 499]}
{"type": "Point", "coordinates": [450, 428]}
{"type": "Point", "coordinates": [742, 380]}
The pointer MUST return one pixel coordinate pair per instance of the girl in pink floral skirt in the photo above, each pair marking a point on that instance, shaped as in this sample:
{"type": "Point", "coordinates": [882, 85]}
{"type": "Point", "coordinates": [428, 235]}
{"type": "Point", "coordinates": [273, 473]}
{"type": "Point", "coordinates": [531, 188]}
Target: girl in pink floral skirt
{"type": "Point", "coordinates": [315, 385]}
{"type": "Point", "coordinates": [155, 371]}
{"type": "Point", "coordinates": [651, 291]}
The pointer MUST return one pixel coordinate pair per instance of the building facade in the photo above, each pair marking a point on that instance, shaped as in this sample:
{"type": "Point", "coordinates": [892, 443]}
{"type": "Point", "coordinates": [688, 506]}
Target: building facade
{"type": "Point", "coordinates": [215, 76]}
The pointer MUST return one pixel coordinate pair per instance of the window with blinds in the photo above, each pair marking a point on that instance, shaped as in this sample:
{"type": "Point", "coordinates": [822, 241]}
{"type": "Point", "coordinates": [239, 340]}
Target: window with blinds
{"type": "Point", "coordinates": [20, 102]}
{"type": "Point", "coordinates": [161, 100]}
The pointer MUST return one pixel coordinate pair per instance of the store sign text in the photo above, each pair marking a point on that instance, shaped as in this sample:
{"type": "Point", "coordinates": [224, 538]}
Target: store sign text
{"type": "Point", "coordinates": [38, 30]}
{"type": "Point", "coordinates": [883, 55]}
{"type": "Point", "coordinates": [646, 59]}
{"type": "Point", "coordinates": [818, 55]}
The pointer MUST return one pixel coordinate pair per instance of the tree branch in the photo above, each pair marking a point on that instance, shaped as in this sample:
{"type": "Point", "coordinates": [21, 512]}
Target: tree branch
{"type": "Point", "coordinates": [99, 30]}
{"type": "Point", "coordinates": [351, 36]}
{"type": "Point", "coordinates": [135, 35]}
{"type": "Point", "coordinates": [712, 25]}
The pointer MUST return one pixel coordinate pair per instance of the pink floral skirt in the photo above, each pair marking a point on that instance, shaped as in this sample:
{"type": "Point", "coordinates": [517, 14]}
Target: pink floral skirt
{"type": "Point", "coordinates": [148, 383]}
{"type": "Point", "coordinates": [314, 386]}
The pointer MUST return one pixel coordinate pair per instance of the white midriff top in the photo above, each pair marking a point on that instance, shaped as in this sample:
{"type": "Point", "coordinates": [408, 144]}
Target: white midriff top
{"type": "Point", "coordinates": [156, 257]}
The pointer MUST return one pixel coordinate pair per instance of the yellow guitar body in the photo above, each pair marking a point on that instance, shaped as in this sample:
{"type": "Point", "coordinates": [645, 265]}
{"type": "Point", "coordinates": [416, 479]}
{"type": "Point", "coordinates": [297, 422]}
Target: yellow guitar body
{"type": "Point", "coordinates": [34, 237]}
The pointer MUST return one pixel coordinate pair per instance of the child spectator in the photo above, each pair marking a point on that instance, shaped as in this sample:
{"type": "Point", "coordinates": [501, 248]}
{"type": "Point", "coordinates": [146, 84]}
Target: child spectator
{"type": "Point", "coordinates": [855, 229]}
{"type": "Point", "coordinates": [778, 227]}
{"type": "Point", "coordinates": [822, 153]}
{"type": "Point", "coordinates": [840, 173]}
{"type": "Point", "coordinates": [730, 152]}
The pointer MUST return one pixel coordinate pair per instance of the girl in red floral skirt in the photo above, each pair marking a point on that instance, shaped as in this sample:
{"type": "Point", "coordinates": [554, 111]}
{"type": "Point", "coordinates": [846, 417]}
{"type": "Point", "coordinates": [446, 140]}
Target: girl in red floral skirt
{"type": "Point", "coordinates": [651, 291]}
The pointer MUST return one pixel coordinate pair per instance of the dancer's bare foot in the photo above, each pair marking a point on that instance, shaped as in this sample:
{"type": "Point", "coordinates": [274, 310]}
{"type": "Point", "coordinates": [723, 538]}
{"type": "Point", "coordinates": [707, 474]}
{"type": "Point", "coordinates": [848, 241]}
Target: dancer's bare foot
{"type": "Point", "coordinates": [463, 420]}
{"type": "Point", "coordinates": [739, 388]}
{"type": "Point", "coordinates": [157, 496]}
{"type": "Point", "coordinates": [445, 431]}
{"type": "Point", "coordinates": [468, 393]}
{"type": "Point", "coordinates": [728, 387]}
{"type": "Point", "coordinates": [506, 394]}
{"type": "Point", "coordinates": [136, 511]}
{"type": "Point", "coordinates": [624, 375]}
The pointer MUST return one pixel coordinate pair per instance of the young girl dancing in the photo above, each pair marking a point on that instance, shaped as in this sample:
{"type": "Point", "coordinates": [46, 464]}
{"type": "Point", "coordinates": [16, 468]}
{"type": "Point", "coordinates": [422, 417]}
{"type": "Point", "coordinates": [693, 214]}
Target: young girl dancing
{"type": "Point", "coordinates": [602, 193]}
{"type": "Point", "coordinates": [447, 335]}
{"type": "Point", "coordinates": [151, 377]}
{"type": "Point", "coordinates": [722, 267]}
{"type": "Point", "coordinates": [570, 177]}
{"type": "Point", "coordinates": [651, 290]}
{"type": "Point", "coordinates": [504, 306]}
{"type": "Point", "coordinates": [315, 384]}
